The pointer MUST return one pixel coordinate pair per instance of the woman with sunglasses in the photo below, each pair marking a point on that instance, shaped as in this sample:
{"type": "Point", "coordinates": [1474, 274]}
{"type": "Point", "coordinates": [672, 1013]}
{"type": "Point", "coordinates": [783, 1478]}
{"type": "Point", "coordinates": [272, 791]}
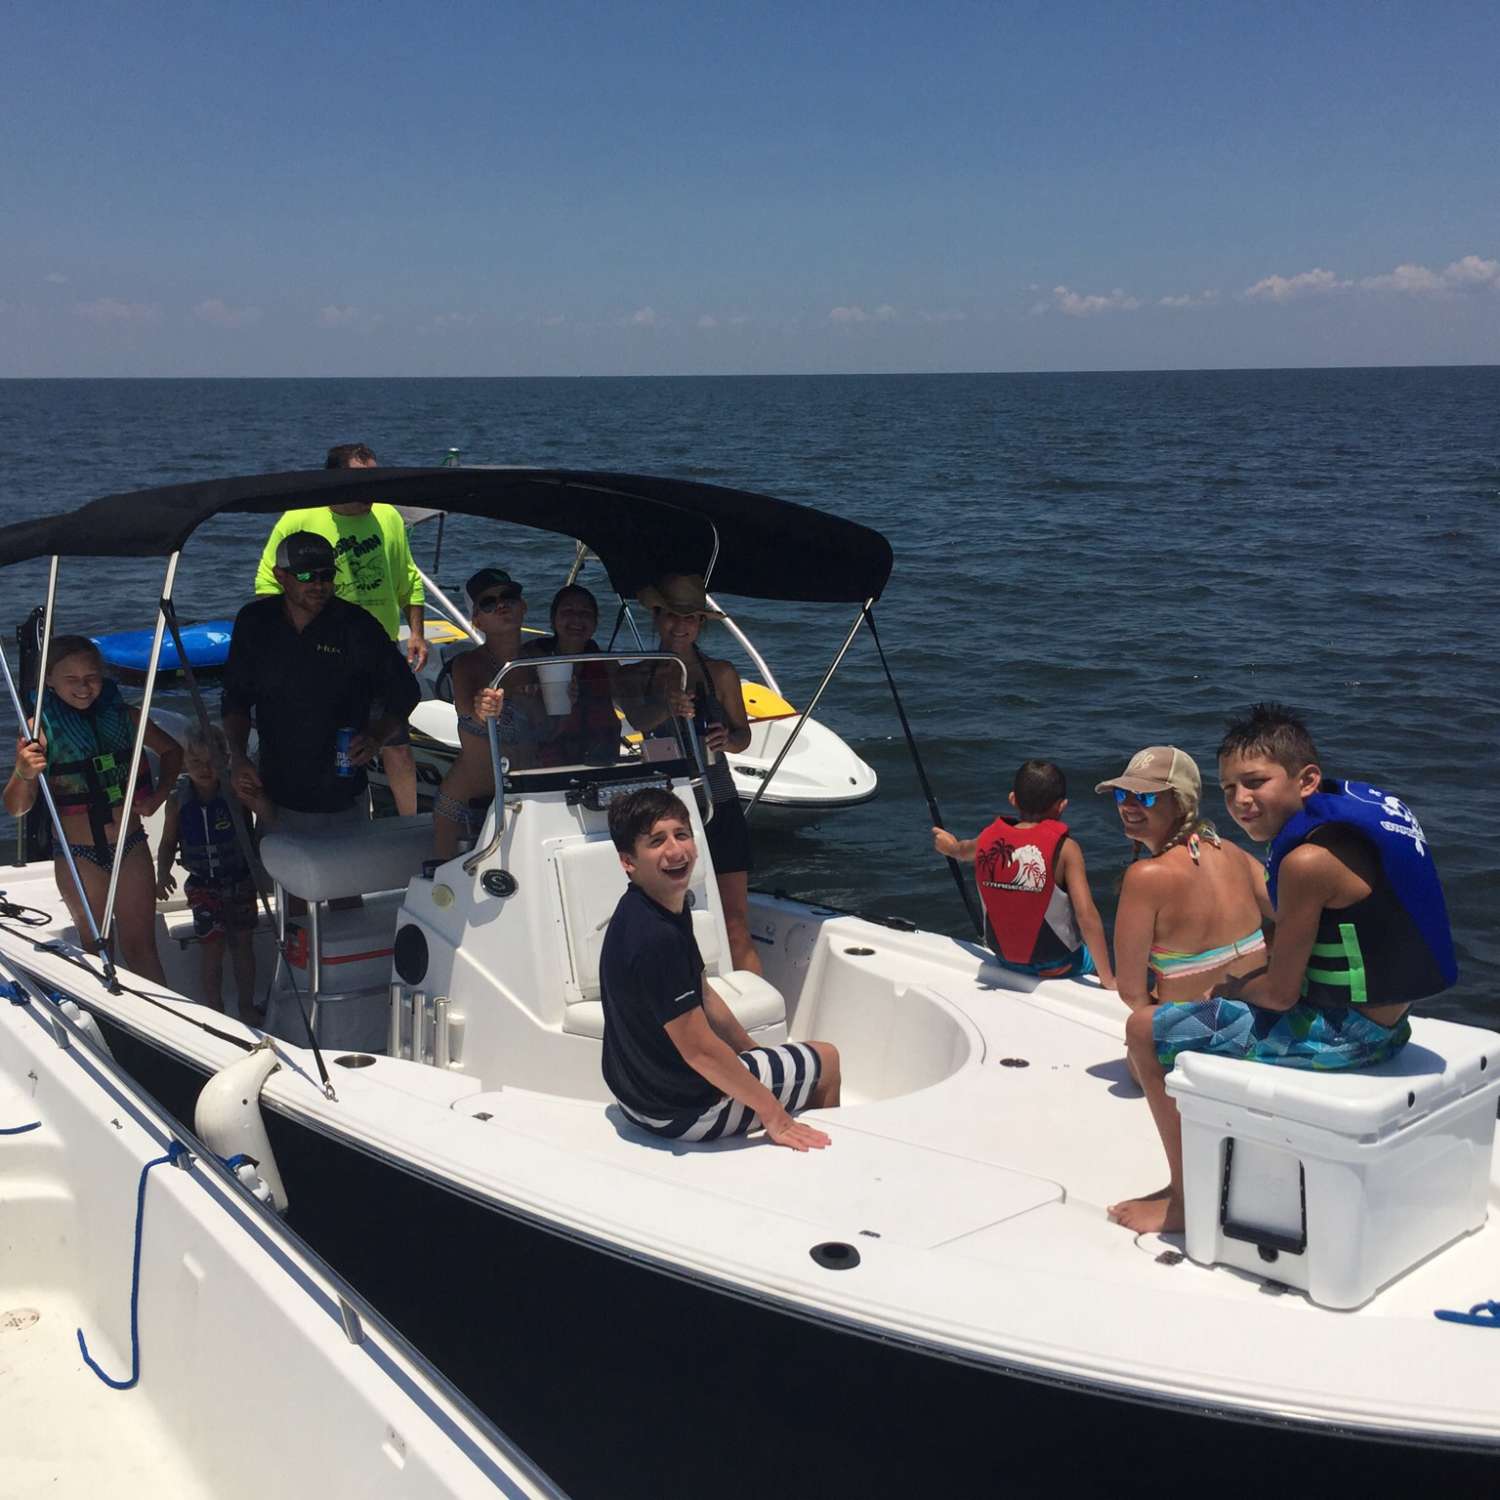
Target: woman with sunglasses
{"type": "Point", "coordinates": [499, 609]}
{"type": "Point", "coordinates": [1191, 913]}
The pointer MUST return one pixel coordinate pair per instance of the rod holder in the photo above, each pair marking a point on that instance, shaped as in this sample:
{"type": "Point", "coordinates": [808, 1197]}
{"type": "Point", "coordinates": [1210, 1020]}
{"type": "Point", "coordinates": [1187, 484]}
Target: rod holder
{"type": "Point", "coordinates": [440, 1057]}
{"type": "Point", "coordinates": [418, 1026]}
{"type": "Point", "coordinates": [393, 1044]}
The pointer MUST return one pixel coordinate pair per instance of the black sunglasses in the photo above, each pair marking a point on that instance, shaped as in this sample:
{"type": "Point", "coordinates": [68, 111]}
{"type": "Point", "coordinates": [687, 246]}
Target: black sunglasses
{"type": "Point", "coordinates": [494, 601]}
{"type": "Point", "coordinates": [315, 575]}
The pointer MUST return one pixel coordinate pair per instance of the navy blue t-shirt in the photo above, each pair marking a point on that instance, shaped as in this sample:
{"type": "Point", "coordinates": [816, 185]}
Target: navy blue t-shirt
{"type": "Point", "coordinates": [650, 972]}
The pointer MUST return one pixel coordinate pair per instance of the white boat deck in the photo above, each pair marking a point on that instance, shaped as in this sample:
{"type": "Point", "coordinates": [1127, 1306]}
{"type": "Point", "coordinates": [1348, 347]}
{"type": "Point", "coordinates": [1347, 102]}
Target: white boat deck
{"type": "Point", "coordinates": [977, 1206]}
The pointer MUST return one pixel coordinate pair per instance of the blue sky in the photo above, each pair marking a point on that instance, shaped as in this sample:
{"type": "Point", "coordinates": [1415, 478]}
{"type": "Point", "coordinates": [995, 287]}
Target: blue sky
{"type": "Point", "coordinates": [341, 189]}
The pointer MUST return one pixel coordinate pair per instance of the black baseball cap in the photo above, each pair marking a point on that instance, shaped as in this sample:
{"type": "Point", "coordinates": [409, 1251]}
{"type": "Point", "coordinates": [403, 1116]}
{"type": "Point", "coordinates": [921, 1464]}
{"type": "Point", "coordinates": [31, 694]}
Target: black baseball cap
{"type": "Point", "coordinates": [303, 551]}
{"type": "Point", "coordinates": [493, 578]}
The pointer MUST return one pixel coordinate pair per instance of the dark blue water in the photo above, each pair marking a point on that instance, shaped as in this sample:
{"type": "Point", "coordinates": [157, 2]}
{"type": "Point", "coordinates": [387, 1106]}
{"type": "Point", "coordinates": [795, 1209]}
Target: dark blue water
{"type": "Point", "coordinates": [1085, 564]}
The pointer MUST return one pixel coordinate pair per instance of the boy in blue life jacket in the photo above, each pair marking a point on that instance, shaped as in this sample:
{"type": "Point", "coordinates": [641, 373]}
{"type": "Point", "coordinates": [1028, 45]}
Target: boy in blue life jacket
{"type": "Point", "coordinates": [1361, 932]}
{"type": "Point", "coordinates": [198, 826]}
{"type": "Point", "coordinates": [1033, 883]}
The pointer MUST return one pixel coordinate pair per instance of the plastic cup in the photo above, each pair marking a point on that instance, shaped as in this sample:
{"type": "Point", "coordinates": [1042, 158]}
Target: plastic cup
{"type": "Point", "coordinates": [555, 677]}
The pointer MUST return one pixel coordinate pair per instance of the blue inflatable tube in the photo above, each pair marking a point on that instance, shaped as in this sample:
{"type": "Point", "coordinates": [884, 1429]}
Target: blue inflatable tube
{"type": "Point", "coordinates": [130, 650]}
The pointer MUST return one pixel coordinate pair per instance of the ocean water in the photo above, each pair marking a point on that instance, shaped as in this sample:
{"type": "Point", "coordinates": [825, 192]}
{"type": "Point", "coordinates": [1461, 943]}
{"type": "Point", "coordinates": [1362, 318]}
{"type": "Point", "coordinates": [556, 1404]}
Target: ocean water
{"type": "Point", "coordinates": [1085, 564]}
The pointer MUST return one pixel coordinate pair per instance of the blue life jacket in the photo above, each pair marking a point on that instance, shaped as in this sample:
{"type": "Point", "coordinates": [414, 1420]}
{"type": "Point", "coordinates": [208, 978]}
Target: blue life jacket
{"type": "Point", "coordinates": [1395, 945]}
{"type": "Point", "coordinates": [206, 841]}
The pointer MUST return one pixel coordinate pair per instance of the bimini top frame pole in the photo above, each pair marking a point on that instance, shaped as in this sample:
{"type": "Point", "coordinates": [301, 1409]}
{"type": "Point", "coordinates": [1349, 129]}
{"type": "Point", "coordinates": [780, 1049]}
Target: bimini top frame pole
{"type": "Point", "coordinates": [41, 666]}
{"type": "Point", "coordinates": [767, 676]}
{"type": "Point", "coordinates": [807, 712]}
{"type": "Point", "coordinates": [448, 607]}
{"type": "Point", "coordinates": [140, 743]}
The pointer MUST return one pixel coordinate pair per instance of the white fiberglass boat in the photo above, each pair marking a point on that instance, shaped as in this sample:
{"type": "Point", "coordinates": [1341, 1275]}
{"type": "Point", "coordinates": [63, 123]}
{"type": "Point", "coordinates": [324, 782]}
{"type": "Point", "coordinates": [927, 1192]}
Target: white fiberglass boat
{"type": "Point", "coordinates": [935, 1302]}
{"type": "Point", "coordinates": [162, 1333]}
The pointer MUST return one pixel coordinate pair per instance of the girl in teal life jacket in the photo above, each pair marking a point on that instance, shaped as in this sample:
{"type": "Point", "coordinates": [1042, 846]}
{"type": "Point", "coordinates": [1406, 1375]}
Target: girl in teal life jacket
{"type": "Point", "coordinates": [83, 747]}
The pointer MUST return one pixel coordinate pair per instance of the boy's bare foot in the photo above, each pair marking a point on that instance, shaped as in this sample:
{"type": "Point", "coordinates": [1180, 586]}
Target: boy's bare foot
{"type": "Point", "coordinates": [1158, 1213]}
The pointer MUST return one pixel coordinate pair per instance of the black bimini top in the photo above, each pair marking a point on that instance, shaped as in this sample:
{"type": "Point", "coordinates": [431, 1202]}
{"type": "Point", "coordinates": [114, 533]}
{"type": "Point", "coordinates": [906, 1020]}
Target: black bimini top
{"type": "Point", "coordinates": [640, 527]}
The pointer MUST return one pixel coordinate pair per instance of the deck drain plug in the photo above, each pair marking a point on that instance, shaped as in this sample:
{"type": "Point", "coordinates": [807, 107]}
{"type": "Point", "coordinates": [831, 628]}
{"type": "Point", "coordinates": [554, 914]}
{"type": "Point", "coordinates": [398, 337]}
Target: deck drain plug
{"type": "Point", "coordinates": [835, 1255]}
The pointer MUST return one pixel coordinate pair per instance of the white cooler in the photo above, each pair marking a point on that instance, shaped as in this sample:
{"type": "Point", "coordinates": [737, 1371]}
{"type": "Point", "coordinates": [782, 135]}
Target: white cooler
{"type": "Point", "coordinates": [1337, 1183]}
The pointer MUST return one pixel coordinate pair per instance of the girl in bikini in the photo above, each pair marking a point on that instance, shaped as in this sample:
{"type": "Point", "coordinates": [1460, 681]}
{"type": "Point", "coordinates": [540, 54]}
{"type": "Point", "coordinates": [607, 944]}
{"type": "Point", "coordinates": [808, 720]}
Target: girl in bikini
{"type": "Point", "coordinates": [83, 747]}
{"type": "Point", "coordinates": [499, 610]}
{"type": "Point", "coordinates": [1192, 913]}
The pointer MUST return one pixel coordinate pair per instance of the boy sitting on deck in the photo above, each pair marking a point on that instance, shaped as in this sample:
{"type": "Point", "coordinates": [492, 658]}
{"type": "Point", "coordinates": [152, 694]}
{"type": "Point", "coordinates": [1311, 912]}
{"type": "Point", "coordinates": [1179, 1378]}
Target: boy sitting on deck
{"type": "Point", "coordinates": [675, 1057]}
{"type": "Point", "coordinates": [1033, 884]}
{"type": "Point", "coordinates": [199, 824]}
{"type": "Point", "coordinates": [1361, 932]}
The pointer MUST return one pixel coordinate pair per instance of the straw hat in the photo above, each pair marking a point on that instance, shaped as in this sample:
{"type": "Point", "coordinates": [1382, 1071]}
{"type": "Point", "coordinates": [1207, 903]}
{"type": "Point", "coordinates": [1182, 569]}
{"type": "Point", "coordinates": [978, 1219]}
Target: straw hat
{"type": "Point", "coordinates": [682, 593]}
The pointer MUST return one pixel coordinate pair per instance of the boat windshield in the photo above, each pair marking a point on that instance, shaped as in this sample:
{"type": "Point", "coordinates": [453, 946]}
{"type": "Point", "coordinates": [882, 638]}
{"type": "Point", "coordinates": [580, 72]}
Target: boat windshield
{"type": "Point", "coordinates": [593, 712]}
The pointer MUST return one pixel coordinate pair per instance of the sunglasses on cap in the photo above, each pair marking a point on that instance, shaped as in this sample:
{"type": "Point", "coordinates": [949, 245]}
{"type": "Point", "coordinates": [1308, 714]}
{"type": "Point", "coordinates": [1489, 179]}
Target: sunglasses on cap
{"type": "Point", "coordinates": [494, 601]}
{"type": "Point", "coordinates": [314, 575]}
{"type": "Point", "coordinates": [1146, 799]}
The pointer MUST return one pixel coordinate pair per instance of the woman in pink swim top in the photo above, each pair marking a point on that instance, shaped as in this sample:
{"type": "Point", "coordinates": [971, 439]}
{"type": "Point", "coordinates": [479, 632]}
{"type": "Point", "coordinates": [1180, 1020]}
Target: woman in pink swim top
{"type": "Point", "coordinates": [1192, 911]}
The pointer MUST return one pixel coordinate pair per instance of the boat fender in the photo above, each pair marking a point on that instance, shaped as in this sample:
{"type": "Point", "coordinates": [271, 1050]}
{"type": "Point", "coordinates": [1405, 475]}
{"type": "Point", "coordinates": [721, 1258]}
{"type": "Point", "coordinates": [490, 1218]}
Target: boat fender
{"type": "Point", "coordinates": [85, 1022]}
{"type": "Point", "coordinates": [228, 1117]}
{"type": "Point", "coordinates": [246, 1174]}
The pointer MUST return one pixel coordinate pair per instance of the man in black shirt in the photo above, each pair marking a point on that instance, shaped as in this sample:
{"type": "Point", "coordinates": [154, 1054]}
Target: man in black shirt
{"type": "Point", "coordinates": [675, 1057]}
{"type": "Point", "coordinates": [307, 665]}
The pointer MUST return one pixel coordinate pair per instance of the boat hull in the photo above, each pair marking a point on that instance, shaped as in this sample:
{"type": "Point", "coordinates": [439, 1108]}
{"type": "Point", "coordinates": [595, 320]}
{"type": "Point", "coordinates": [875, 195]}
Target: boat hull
{"type": "Point", "coordinates": [624, 1378]}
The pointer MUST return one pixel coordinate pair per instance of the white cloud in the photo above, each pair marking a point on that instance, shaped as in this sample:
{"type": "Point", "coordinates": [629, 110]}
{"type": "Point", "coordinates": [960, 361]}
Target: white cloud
{"type": "Point", "coordinates": [334, 316]}
{"type": "Point", "coordinates": [222, 314]}
{"type": "Point", "coordinates": [1312, 283]}
{"type": "Point", "coordinates": [444, 321]}
{"type": "Point", "coordinates": [55, 278]}
{"type": "Point", "coordinates": [1472, 271]}
{"type": "Point", "coordinates": [738, 320]}
{"type": "Point", "coordinates": [1189, 299]}
{"type": "Point", "coordinates": [1469, 274]}
{"type": "Point", "coordinates": [111, 310]}
{"type": "Point", "coordinates": [942, 317]}
{"type": "Point", "coordinates": [885, 313]}
{"type": "Point", "coordinates": [1076, 305]}
{"type": "Point", "coordinates": [643, 317]}
{"type": "Point", "coordinates": [708, 321]}
{"type": "Point", "coordinates": [556, 320]}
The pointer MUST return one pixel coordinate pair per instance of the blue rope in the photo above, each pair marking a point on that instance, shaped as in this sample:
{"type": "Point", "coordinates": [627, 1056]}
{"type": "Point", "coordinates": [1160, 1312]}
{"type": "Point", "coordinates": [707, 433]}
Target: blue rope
{"type": "Point", "coordinates": [19, 1129]}
{"type": "Point", "coordinates": [174, 1150]}
{"type": "Point", "coordinates": [13, 992]}
{"type": "Point", "coordinates": [1481, 1315]}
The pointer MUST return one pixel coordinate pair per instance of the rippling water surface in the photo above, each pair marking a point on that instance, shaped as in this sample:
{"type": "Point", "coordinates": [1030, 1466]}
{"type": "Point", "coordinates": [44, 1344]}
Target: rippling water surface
{"type": "Point", "coordinates": [1085, 564]}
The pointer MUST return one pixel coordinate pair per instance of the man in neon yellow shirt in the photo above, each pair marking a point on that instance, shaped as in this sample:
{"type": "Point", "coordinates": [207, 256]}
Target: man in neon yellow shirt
{"type": "Point", "coordinates": [375, 571]}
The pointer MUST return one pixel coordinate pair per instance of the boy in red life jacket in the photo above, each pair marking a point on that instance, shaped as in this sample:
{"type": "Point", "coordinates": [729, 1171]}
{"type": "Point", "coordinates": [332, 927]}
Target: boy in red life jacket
{"type": "Point", "coordinates": [1032, 881]}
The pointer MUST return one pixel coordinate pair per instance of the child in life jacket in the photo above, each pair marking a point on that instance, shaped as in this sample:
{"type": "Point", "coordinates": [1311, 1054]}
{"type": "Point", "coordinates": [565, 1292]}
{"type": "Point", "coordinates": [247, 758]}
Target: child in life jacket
{"type": "Point", "coordinates": [1033, 884]}
{"type": "Point", "coordinates": [199, 829]}
{"type": "Point", "coordinates": [83, 747]}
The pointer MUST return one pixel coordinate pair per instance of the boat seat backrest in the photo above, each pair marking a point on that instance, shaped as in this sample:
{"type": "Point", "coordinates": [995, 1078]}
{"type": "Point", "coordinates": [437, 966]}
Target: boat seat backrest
{"type": "Point", "coordinates": [590, 881]}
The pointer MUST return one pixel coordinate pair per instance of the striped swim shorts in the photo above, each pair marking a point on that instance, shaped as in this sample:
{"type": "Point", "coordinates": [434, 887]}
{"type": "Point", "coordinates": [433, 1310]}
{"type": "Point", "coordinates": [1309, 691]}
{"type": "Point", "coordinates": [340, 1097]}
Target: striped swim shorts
{"type": "Point", "coordinates": [790, 1071]}
{"type": "Point", "coordinates": [1306, 1036]}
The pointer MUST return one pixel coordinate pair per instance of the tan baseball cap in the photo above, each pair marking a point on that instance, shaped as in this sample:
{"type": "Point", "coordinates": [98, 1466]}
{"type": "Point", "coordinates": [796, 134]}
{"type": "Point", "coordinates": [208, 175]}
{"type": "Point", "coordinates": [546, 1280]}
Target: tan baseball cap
{"type": "Point", "coordinates": [1159, 768]}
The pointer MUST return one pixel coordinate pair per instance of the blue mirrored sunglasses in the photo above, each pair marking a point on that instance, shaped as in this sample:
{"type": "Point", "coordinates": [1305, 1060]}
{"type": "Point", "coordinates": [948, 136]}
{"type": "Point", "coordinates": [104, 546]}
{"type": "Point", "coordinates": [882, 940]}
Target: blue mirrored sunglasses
{"type": "Point", "coordinates": [1146, 799]}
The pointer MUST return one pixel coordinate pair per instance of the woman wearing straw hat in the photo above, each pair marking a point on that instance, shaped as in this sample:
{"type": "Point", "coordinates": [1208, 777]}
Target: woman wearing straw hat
{"type": "Point", "coordinates": [680, 605]}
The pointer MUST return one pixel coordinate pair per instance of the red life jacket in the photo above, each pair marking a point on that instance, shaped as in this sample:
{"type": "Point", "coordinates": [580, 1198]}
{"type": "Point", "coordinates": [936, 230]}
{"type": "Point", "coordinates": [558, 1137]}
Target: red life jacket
{"type": "Point", "coordinates": [1017, 874]}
